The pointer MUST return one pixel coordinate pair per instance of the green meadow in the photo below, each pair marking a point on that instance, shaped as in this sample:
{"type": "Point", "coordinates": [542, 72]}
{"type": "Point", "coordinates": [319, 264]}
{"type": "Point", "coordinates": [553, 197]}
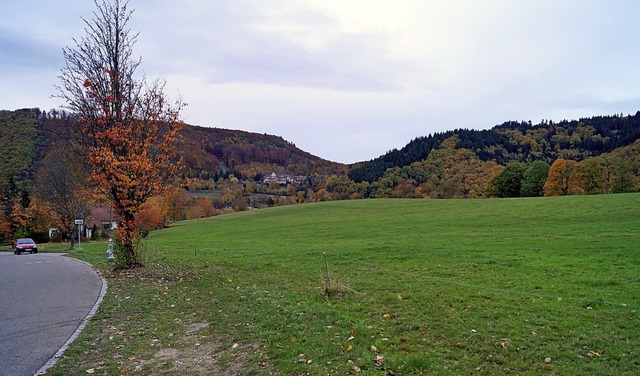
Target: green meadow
{"type": "Point", "coordinates": [379, 287]}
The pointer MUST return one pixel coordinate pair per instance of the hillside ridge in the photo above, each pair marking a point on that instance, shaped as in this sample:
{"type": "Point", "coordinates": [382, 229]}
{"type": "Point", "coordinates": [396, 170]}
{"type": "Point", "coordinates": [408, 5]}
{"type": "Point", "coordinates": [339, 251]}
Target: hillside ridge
{"type": "Point", "coordinates": [516, 141]}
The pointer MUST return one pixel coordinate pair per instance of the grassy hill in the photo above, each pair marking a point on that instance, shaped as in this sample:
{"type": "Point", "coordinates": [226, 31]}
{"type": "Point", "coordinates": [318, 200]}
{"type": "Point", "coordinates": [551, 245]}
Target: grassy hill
{"type": "Point", "coordinates": [522, 286]}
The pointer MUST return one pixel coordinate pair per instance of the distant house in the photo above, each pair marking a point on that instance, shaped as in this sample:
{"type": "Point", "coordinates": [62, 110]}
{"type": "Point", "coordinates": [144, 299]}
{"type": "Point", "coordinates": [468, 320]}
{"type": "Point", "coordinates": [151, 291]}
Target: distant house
{"type": "Point", "coordinates": [102, 219]}
{"type": "Point", "coordinates": [282, 179]}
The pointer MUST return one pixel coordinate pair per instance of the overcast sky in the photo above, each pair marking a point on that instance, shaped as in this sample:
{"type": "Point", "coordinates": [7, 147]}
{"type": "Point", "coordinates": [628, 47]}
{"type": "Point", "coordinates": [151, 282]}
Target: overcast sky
{"type": "Point", "coordinates": [349, 80]}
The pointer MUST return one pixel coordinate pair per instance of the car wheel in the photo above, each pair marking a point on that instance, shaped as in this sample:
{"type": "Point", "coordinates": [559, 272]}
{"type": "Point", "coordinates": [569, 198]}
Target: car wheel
{"type": "Point", "coordinates": [19, 252]}
{"type": "Point", "coordinates": [36, 251]}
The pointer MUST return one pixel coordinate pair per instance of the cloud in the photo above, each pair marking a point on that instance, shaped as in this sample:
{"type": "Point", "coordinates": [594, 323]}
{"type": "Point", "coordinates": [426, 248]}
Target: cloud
{"type": "Point", "coordinates": [19, 53]}
{"type": "Point", "coordinates": [349, 80]}
{"type": "Point", "coordinates": [285, 44]}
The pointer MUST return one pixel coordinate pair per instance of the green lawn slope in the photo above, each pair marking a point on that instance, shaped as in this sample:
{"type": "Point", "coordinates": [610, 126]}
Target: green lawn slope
{"type": "Point", "coordinates": [520, 286]}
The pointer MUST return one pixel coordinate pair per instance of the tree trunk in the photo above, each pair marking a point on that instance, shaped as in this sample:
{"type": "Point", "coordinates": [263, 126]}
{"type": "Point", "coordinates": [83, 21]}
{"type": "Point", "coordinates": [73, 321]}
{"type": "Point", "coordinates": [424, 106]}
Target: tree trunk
{"type": "Point", "coordinates": [127, 235]}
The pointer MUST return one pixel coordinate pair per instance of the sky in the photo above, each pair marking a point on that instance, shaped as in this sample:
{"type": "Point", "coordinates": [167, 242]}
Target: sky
{"type": "Point", "coordinates": [349, 80]}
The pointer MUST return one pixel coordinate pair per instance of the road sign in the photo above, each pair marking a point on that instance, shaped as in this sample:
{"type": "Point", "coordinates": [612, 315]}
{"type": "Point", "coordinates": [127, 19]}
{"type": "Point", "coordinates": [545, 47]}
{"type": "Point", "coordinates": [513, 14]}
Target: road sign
{"type": "Point", "coordinates": [79, 222]}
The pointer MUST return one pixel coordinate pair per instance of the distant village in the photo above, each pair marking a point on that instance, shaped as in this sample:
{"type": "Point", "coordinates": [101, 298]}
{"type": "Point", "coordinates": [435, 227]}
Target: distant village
{"type": "Point", "coordinates": [283, 179]}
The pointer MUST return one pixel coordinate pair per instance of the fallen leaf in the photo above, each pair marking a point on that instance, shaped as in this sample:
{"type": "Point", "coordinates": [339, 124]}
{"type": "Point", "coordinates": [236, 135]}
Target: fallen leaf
{"type": "Point", "coordinates": [379, 360]}
{"type": "Point", "coordinates": [593, 354]}
{"type": "Point", "coordinates": [90, 370]}
{"type": "Point", "coordinates": [374, 349]}
{"type": "Point", "coordinates": [547, 360]}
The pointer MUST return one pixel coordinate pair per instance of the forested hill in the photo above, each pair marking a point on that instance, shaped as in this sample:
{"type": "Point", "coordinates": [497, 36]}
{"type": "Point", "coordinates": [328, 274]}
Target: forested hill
{"type": "Point", "coordinates": [211, 152]}
{"type": "Point", "coordinates": [208, 153]}
{"type": "Point", "coordinates": [516, 141]}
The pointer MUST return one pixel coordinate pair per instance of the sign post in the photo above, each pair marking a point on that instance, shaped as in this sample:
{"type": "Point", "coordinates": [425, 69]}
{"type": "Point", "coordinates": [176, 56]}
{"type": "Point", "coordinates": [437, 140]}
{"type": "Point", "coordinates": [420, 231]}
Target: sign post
{"type": "Point", "coordinates": [79, 222]}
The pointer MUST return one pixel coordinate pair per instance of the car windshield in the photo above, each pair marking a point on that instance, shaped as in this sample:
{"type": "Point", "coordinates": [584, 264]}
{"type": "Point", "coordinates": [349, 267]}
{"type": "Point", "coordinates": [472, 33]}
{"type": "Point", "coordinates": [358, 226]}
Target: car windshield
{"type": "Point", "coordinates": [25, 241]}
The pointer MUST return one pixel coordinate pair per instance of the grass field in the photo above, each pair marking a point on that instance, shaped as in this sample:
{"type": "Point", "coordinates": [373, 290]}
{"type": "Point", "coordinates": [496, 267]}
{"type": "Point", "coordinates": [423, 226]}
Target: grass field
{"type": "Point", "coordinates": [513, 286]}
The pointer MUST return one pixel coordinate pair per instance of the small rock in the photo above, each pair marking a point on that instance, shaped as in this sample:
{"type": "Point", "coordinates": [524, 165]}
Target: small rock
{"type": "Point", "coordinates": [547, 360]}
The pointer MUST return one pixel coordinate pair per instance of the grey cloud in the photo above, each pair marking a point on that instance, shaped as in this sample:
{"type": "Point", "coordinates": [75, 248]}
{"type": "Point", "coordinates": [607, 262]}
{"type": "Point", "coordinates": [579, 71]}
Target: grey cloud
{"type": "Point", "coordinates": [227, 46]}
{"type": "Point", "coordinates": [20, 52]}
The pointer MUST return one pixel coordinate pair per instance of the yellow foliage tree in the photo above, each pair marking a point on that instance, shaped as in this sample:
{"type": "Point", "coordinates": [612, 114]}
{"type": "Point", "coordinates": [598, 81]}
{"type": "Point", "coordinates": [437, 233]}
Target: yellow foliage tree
{"type": "Point", "coordinates": [560, 180]}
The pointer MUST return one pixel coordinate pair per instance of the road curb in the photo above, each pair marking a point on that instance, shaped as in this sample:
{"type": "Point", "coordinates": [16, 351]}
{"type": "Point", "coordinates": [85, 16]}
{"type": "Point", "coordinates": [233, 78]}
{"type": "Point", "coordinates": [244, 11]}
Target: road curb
{"type": "Point", "coordinates": [54, 359]}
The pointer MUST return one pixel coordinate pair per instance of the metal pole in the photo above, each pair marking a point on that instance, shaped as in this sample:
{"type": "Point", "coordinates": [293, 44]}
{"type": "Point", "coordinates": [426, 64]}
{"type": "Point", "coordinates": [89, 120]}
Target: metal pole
{"type": "Point", "coordinates": [79, 227]}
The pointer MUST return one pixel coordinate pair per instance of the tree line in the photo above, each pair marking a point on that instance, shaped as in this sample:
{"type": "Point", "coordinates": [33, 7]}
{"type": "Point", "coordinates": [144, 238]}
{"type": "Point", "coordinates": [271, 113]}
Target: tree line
{"type": "Point", "coordinates": [516, 141]}
{"type": "Point", "coordinates": [453, 172]}
{"type": "Point", "coordinates": [43, 180]}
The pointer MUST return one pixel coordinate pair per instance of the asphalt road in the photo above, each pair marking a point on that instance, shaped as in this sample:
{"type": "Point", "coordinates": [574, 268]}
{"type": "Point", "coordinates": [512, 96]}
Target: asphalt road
{"type": "Point", "coordinates": [43, 300]}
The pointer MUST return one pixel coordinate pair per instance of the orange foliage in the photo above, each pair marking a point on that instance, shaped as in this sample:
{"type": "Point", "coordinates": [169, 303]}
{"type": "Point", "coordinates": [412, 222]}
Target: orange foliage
{"type": "Point", "coordinates": [201, 208]}
{"type": "Point", "coordinates": [129, 129]}
{"type": "Point", "coordinates": [560, 180]}
{"type": "Point", "coordinates": [177, 204]}
{"type": "Point", "coordinates": [150, 218]}
{"type": "Point", "coordinates": [5, 226]}
{"type": "Point", "coordinates": [20, 217]}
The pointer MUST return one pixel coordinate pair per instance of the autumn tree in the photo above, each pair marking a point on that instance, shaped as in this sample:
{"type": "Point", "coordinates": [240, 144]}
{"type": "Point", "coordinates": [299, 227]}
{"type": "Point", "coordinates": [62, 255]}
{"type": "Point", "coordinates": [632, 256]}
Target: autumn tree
{"type": "Point", "coordinates": [153, 215]}
{"type": "Point", "coordinates": [200, 208]}
{"type": "Point", "coordinates": [60, 186]}
{"type": "Point", "coordinates": [129, 127]}
{"type": "Point", "coordinates": [178, 203]}
{"type": "Point", "coordinates": [560, 181]}
{"type": "Point", "coordinates": [21, 219]}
